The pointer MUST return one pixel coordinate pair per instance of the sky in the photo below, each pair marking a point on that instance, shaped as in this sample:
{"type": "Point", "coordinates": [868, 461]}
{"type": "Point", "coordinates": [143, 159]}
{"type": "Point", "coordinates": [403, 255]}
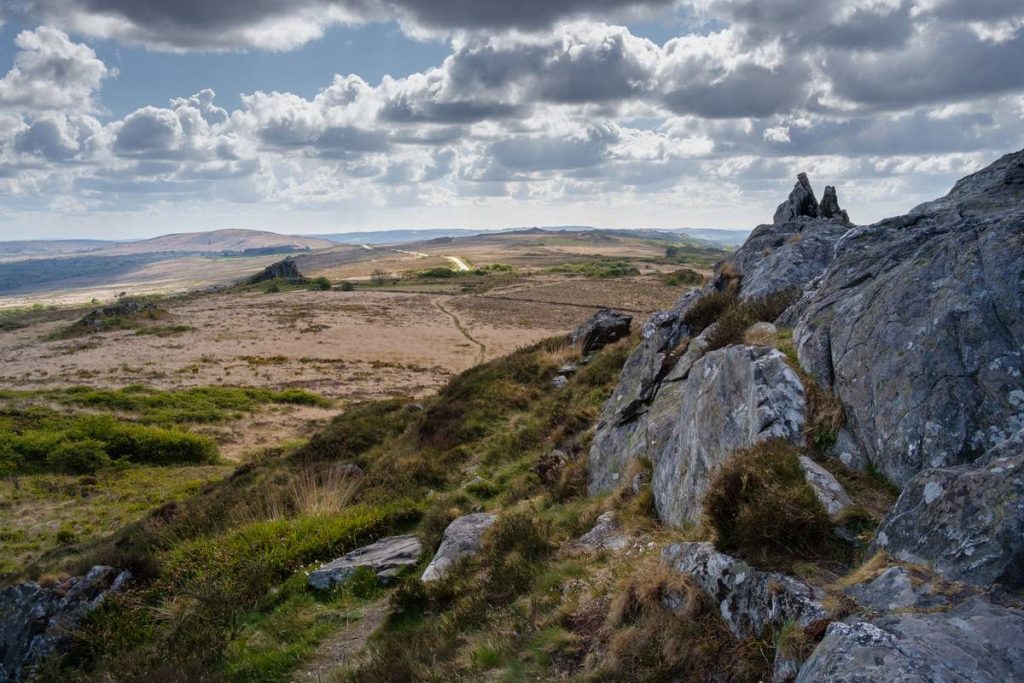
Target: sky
{"type": "Point", "coordinates": [133, 118]}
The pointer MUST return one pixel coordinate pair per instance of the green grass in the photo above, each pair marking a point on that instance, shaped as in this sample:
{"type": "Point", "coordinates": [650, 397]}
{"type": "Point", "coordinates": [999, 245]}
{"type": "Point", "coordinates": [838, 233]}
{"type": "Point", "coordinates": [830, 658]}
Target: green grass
{"type": "Point", "coordinates": [195, 405]}
{"type": "Point", "coordinates": [603, 268]}
{"type": "Point", "coordinates": [38, 507]}
{"type": "Point", "coordinates": [38, 440]}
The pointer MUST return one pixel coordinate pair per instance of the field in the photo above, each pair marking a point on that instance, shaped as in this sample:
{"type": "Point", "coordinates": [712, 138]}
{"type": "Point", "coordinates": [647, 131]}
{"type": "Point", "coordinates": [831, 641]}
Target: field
{"type": "Point", "coordinates": [410, 318]}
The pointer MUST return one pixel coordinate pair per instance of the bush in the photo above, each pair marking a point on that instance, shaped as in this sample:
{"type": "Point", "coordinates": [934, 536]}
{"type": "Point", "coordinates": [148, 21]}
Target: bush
{"type": "Point", "coordinates": [79, 457]}
{"type": "Point", "coordinates": [346, 286]}
{"type": "Point", "coordinates": [737, 316]}
{"type": "Point", "coordinates": [707, 310]}
{"type": "Point", "coordinates": [762, 509]}
{"type": "Point", "coordinates": [439, 272]}
{"type": "Point", "coordinates": [683, 276]}
{"type": "Point", "coordinates": [320, 284]}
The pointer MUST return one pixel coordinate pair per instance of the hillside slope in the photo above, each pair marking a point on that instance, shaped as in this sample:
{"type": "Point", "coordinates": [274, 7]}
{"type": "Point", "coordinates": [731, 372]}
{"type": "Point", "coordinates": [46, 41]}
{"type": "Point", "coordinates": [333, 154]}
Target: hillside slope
{"type": "Point", "coordinates": [811, 472]}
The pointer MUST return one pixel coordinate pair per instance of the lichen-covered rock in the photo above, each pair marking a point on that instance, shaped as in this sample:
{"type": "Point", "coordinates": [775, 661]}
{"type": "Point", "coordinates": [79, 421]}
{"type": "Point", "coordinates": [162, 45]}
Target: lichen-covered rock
{"type": "Point", "coordinates": [828, 490]}
{"type": "Point", "coordinates": [386, 558]}
{"type": "Point", "coordinates": [967, 522]}
{"type": "Point", "coordinates": [977, 642]}
{"type": "Point", "coordinates": [707, 407]}
{"type": "Point", "coordinates": [638, 383]}
{"type": "Point", "coordinates": [37, 621]}
{"type": "Point", "coordinates": [606, 326]}
{"type": "Point", "coordinates": [917, 326]}
{"type": "Point", "coordinates": [750, 601]}
{"type": "Point", "coordinates": [462, 538]}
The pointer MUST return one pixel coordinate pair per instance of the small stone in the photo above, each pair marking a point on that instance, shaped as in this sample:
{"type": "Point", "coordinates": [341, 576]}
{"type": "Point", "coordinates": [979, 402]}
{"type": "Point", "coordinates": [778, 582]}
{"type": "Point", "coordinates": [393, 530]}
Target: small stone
{"type": "Point", "coordinates": [828, 490]}
{"type": "Point", "coordinates": [559, 381]}
{"type": "Point", "coordinates": [605, 534]}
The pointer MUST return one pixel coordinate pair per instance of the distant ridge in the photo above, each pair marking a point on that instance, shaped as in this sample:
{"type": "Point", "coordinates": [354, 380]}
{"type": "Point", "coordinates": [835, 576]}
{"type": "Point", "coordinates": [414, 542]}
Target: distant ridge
{"type": "Point", "coordinates": [717, 236]}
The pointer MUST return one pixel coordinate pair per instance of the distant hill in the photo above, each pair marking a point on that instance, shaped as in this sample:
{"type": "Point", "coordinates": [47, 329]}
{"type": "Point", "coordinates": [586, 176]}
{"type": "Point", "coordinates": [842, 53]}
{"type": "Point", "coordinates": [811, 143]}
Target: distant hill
{"type": "Point", "coordinates": [713, 235]}
{"type": "Point", "coordinates": [213, 241]}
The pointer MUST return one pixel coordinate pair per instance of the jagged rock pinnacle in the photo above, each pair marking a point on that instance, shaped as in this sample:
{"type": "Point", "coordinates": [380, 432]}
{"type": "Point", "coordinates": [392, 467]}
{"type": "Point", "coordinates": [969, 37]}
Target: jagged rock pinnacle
{"type": "Point", "coordinates": [829, 206]}
{"type": "Point", "coordinates": [802, 202]}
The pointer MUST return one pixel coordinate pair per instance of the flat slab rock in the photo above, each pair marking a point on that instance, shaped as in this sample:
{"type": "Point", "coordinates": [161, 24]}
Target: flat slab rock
{"type": "Point", "coordinates": [827, 488]}
{"type": "Point", "coordinates": [387, 557]}
{"type": "Point", "coordinates": [977, 642]}
{"type": "Point", "coordinates": [462, 538]}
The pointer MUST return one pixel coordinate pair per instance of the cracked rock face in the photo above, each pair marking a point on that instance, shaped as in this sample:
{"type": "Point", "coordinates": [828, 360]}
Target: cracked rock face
{"type": "Point", "coordinates": [37, 621]}
{"type": "Point", "coordinates": [750, 601]}
{"type": "Point", "coordinates": [924, 315]}
{"type": "Point", "coordinates": [967, 522]}
{"type": "Point", "coordinates": [977, 642]}
{"type": "Point", "coordinates": [707, 407]}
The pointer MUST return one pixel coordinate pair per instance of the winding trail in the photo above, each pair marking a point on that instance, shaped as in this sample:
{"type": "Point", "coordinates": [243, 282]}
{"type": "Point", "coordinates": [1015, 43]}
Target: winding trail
{"type": "Point", "coordinates": [340, 648]}
{"type": "Point", "coordinates": [460, 265]}
{"type": "Point", "coordinates": [482, 353]}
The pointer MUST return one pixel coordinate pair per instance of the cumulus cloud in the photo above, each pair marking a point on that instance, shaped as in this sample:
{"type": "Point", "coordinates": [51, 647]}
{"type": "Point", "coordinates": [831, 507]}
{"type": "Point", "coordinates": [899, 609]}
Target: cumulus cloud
{"type": "Point", "coordinates": [286, 24]}
{"type": "Point", "coordinates": [52, 72]}
{"type": "Point", "coordinates": [536, 105]}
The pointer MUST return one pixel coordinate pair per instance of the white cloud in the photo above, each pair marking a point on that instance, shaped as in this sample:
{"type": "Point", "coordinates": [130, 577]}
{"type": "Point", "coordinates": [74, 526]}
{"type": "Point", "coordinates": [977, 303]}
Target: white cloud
{"type": "Point", "coordinates": [52, 72]}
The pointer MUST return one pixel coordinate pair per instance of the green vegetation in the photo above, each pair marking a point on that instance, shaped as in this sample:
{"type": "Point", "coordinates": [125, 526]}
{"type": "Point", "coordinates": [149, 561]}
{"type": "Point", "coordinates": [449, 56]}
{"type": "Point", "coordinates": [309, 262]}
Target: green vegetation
{"type": "Point", "coordinates": [734, 315]}
{"type": "Point", "coordinates": [37, 440]}
{"type": "Point", "coordinates": [762, 508]}
{"type": "Point", "coordinates": [209, 404]}
{"type": "Point", "coordinates": [320, 284]}
{"type": "Point", "coordinates": [45, 513]}
{"type": "Point", "coordinates": [681, 277]}
{"type": "Point", "coordinates": [603, 268]}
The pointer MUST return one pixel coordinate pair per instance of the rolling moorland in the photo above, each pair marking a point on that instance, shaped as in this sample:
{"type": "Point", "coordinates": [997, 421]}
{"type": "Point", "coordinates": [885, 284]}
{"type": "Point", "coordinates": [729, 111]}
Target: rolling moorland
{"type": "Point", "coordinates": [801, 460]}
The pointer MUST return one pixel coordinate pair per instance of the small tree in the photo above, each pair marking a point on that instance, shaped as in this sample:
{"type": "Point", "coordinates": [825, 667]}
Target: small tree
{"type": "Point", "coordinates": [379, 277]}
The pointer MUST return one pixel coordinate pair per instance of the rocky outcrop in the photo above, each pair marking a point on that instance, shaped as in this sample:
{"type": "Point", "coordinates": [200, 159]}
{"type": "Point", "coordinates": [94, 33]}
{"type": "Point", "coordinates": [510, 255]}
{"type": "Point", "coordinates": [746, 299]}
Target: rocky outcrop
{"type": "Point", "coordinates": [829, 207]}
{"type": "Point", "coordinates": [800, 203]}
{"type": "Point", "coordinates": [795, 249]}
{"type": "Point", "coordinates": [281, 270]}
{"type": "Point", "coordinates": [707, 407]}
{"type": "Point", "coordinates": [385, 558]}
{"type": "Point", "coordinates": [98, 318]}
{"type": "Point", "coordinates": [917, 326]}
{"type": "Point", "coordinates": [977, 642]}
{"type": "Point", "coordinates": [750, 601]}
{"type": "Point", "coordinates": [605, 327]}
{"type": "Point", "coordinates": [37, 621]}
{"type": "Point", "coordinates": [463, 538]}
{"type": "Point", "coordinates": [967, 522]}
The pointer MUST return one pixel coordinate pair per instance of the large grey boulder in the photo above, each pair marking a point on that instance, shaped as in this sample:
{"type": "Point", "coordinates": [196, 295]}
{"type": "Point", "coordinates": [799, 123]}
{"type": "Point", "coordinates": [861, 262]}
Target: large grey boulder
{"type": "Point", "coordinates": [977, 642]}
{"type": "Point", "coordinates": [386, 558]}
{"type": "Point", "coordinates": [641, 376]}
{"type": "Point", "coordinates": [284, 269]}
{"type": "Point", "coordinates": [605, 327]}
{"type": "Point", "coordinates": [750, 601]}
{"type": "Point", "coordinates": [967, 522]}
{"type": "Point", "coordinates": [38, 621]}
{"type": "Point", "coordinates": [917, 326]}
{"type": "Point", "coordinates": [462, 538]}
{"type": "Point", "coordinates": [707, 407]}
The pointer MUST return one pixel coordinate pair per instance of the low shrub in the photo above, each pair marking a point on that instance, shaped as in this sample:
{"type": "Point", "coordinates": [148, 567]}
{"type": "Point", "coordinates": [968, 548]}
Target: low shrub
{"type": "Point", "coordinates": [320, 284]}
{"type": "Point", "coordinates": [761, 508]}
{"type": "Point", "coordinates": [357, 430]}
{"type": "Point", "coordinates": [79, 457]}
{"type": "Point", "coordinates": [683, 276]}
